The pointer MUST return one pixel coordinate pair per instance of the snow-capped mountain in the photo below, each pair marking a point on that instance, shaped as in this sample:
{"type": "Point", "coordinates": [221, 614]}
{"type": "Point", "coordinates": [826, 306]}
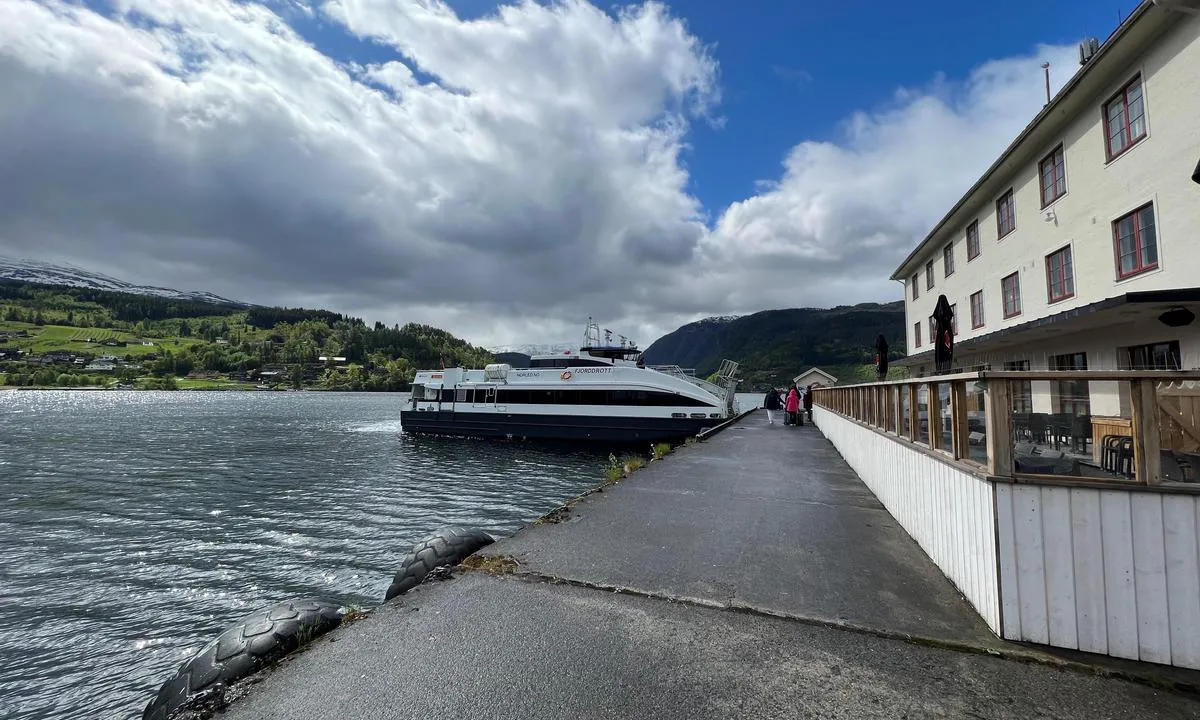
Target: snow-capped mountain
{"type": "Point", "coordinates": [40, 272]}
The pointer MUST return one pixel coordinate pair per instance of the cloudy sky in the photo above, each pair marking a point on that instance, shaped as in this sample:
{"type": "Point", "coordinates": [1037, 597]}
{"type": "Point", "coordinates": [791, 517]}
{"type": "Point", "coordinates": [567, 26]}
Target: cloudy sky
{"type": "Point", "coordinates": [506, 170]}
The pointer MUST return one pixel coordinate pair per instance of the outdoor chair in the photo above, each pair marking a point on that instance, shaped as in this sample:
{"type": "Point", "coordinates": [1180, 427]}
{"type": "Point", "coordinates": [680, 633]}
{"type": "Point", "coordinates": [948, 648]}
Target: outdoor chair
{"type": "Point", "coordinates": [1038, 423]}
{"type": "Point", "coordinates": [1117, 455]}
{"type": "Point", "coordinates": [1020, 423]}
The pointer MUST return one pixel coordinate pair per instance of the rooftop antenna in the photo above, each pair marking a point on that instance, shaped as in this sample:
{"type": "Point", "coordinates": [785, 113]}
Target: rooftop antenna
{"type": "Point", "coordinates": [1087, 49]}
{"type": "Point", "coordinates": [607, 336]}
{"type": "Point", "coordinates": [1046, 70]}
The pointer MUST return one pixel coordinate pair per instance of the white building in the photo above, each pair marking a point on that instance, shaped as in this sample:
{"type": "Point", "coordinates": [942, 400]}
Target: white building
{"type": "Point", "coordinates": [1086, 230]}
{"type": "Point", "coordinates": [814, 376]}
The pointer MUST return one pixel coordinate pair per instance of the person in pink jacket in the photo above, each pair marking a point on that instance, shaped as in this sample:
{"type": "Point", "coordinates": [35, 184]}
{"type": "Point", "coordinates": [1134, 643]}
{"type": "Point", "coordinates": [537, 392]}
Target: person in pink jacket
{"type": "Point", "coordinates": [792, 406]}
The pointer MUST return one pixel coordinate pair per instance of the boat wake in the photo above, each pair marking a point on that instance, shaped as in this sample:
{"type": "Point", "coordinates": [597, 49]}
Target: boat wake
{"type": "Point", "coordinates": [387, 426]}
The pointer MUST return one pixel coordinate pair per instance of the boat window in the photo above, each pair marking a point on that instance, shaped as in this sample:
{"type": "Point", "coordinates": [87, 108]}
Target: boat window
{"type": "Point", "coordinates": [548, 363]}
{"type": "Point", "coordinates": [460, 395]}
{"type": "Point", "coordinates": [418, 392]}
{"type": "Point", "coordinates": [638, 398]}
{"type": "Point", "coordinates": [448, 395]}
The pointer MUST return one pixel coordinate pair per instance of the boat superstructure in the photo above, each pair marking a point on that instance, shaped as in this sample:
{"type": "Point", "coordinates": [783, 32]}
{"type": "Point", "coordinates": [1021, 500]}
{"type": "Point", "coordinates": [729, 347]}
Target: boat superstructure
{"type": "Point", "coordinates": [601, 392]}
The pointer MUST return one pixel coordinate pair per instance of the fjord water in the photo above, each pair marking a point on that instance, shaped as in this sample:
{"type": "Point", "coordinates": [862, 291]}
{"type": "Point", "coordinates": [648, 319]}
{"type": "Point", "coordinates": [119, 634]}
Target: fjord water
{"type": "Point", "coordinates": [135, 526]}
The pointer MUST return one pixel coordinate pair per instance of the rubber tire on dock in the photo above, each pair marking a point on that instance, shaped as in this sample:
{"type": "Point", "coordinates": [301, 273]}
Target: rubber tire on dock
{"type": "Point", "coordinates": [446, 547]}
{"type": "Point", "coordinates": [254, 642]}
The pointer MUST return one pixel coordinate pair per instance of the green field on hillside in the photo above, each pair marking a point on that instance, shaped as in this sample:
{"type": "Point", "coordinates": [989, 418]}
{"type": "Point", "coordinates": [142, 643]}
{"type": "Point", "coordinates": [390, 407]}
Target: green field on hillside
{"type": "Point", "coordinates": [50, 338]}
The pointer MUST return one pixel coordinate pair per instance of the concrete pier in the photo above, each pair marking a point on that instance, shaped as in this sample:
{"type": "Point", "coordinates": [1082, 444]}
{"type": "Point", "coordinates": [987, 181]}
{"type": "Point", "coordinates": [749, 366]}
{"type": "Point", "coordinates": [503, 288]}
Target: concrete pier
{"type": "Point", "coordinates": [752, 575]}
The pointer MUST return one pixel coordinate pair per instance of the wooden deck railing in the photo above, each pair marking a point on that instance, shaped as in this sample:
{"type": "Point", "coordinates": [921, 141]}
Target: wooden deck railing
{"type": "Point", "coordinates": [1092, 427]}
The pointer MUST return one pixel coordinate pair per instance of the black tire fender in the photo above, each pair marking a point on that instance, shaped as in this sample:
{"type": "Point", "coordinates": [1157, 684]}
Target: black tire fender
{"type": "Point", "coordinates": [444, 548]}
{"type": "Point", "coordinates": [257, 640]}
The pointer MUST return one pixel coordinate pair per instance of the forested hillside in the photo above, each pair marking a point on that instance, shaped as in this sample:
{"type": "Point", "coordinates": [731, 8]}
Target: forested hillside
{"type": "Point", "coordinates": [68, 336]}
{"type": "Point", "coordinates": [775, 345]}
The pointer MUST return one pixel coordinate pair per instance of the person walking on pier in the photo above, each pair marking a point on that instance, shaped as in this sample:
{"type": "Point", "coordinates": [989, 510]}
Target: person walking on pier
{"type": "Point", "coordinates": [793, 407]}
{"type": "Point", "coordinates": [772, 402]}
{"type": "Point", "coordinates": [808, 401]}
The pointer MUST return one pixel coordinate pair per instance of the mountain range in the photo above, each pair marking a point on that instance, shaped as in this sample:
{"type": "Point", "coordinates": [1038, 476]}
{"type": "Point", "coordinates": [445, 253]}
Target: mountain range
{"type": "Point", "coordinates": [47, 274]}
{"type": "Point", "coordinates": [774, 346]}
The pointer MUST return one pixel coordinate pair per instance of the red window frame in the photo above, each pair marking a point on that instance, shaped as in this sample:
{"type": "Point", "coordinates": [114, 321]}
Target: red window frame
{"type": "Point", "coordinates": [1122, 96]}
{"type": "Point", "coordinates": [977, 317]}
{"type": "Point", "coordinates": [1065, 274]}
{"type": "Point", "coordinates": [1006, 209]}
{"type": "Point", "coordinates": [1004, 295]}
{"type": "Point", "coordinates": [1139, 242]}
{"type": "Point", "coordinates": [973, 249]}
{"type": "Point", "coordinates": [1054, 168]}
{"type": "Point", "coordinates": [948, 260]}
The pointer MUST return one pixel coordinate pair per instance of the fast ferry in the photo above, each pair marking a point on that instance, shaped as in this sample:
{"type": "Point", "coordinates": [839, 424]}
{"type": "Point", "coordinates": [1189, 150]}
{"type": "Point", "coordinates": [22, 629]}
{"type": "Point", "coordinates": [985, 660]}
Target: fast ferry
{"type": "Point", "coordinates": [603, 392]}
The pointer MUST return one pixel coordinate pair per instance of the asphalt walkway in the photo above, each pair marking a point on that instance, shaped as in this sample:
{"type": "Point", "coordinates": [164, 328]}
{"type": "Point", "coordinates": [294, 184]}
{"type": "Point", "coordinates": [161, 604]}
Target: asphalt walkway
{"type": "Point", "coordinates": [752, 575]}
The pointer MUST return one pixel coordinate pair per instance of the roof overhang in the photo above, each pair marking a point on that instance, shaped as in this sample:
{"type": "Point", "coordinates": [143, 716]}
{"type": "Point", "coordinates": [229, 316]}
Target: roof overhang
{"type": "Point", "coordinates": [1138, 307]}
{"type": "Point", "coordinates": [1114, 57]}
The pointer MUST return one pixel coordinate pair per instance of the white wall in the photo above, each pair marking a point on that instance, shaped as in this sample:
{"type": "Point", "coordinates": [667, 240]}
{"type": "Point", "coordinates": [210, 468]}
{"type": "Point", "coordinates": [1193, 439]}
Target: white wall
{"type": "Point", "coordinates": [1105, 571]}
{"type": "Point", "coordinates": [949, 512]}
{"type": "Point", "coordinates": [1157, 169]}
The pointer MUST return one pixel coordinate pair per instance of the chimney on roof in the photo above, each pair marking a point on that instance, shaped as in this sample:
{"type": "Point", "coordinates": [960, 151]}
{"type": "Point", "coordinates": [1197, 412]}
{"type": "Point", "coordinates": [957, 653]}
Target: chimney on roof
{"type": "Point", "coordinates": [1046, 69]}
{"type": "Point", "coordinates": [1087, 49]}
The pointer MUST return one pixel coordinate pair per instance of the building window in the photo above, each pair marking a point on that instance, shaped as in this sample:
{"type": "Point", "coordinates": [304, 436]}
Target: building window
{"type": "Point", "coordinates": [1022, 390]}
{"type": "Point", "coordinates": [1006, 215]}
{"type": "Point", "coordinates": [932, 331]}
{"type": "Point", "coordinates": [916, 335]}
{"type": "Point", "coordinates": [954, 319]}
{"type": "Point", "coordinates": [1060, 279]}
{"type": "Point", "coordinates": [929, 275]}
{"type": "Point", "coordinates": [1052, 169]}
{"type": "Point", "coordinates": [1156, 356]}
{"type": "Point", "coordinates": [1010, 289]}
{"type": "Point", "coordinates": [1136, 245]}
{"type": "Point", "coordinates": [948, 260]}
{"type": "Point", "coordinates": [1070, 397]}
{"type": "Point", "coordinates": [973, 240]}
{"type": "Point", "coordinates": [916, 292]}
{"type": "Point", "coordinates": [1125, 119]}
{"type": "Point", "coordinates": [977, 310]}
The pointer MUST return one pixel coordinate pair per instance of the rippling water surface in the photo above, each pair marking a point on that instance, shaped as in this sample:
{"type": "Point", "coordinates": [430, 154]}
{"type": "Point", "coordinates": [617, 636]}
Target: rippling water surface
{"type": "Point", "coordinates": [134, 526]}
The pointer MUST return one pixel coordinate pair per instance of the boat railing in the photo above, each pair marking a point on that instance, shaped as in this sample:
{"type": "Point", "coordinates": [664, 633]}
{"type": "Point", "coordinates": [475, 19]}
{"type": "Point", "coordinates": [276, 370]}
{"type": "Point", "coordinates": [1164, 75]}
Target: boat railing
{"type": "Point", "coordinates": [725, 390]}
{"type": "Point", "coordinates": [675, 370]}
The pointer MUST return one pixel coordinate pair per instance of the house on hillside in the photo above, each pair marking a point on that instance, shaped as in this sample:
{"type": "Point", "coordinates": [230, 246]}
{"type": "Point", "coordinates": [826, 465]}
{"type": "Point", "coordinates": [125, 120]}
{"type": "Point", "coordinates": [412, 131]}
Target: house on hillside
{"type": "Point", "coordinates": [814, 376]}
{"type": "Point", "coordinates": [1076, 250]}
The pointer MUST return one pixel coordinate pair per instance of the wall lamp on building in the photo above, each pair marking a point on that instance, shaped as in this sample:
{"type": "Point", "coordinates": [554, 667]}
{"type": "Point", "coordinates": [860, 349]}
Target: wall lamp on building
{"type": "Point", "coordinates": [1177, 317]}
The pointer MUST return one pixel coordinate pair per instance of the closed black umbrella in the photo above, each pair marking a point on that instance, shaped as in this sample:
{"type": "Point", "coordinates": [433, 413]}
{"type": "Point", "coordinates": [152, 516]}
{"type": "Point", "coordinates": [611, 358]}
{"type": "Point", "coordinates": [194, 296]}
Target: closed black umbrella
{"type": "Point", "coordinates": [1196, 175]}
{"type": "Point", "coordinates": [943, 340]}
{"type": "Point", "coordinates": [881, 357]}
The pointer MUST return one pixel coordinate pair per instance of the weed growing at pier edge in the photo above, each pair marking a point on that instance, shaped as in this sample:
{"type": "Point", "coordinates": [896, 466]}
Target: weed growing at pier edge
{"type": "Point", "coordinates": [613, 472]}
{"type": "Point", "coordinates": [660, 450]}
{"type": "Point", "coordinates": [352, 613]}
{"type": "Point", "coordinates": [493, 564]}
{"type": "Point", "coordinates": [630, 463]}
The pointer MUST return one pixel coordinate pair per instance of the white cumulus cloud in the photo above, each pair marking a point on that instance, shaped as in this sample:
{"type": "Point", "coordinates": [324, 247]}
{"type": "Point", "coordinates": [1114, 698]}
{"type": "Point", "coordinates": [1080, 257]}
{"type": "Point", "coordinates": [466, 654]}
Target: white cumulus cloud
{"type": "Point", "coordinates": [502, 177]}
